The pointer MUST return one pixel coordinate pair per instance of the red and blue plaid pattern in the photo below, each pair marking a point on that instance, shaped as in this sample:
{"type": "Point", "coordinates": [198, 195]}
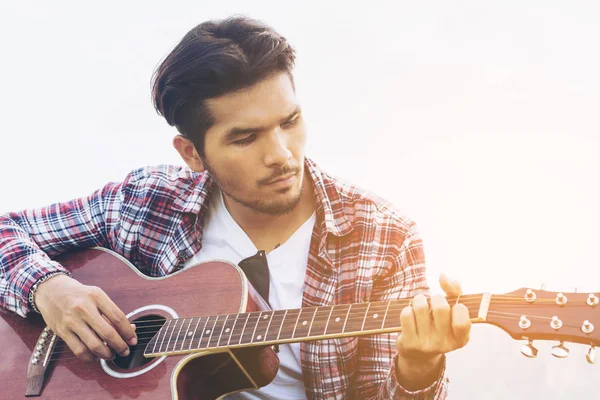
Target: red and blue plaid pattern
{"type": "Point", "coordinates": [362, 250]}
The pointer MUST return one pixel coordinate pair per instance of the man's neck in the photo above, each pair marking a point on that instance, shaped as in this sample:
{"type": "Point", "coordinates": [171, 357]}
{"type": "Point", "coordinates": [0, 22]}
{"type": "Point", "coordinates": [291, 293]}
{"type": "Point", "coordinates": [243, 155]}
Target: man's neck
{"type": "Point", "coordinates": [268, 231]}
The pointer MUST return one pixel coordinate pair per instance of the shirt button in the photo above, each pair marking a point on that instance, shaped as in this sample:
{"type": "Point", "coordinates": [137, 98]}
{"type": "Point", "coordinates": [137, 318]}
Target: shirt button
{"type": "Point", "coordinates": [182, 254]}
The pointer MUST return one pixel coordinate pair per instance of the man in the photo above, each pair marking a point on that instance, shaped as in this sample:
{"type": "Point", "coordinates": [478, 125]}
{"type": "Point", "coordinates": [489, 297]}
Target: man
{"type": "Point", "coordinates": [228, 89]}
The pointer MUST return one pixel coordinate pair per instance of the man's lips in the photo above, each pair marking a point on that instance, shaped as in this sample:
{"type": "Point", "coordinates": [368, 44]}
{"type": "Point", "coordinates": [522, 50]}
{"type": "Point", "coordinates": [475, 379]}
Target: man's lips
{"type": "Point", "coordinates": [281, 178]}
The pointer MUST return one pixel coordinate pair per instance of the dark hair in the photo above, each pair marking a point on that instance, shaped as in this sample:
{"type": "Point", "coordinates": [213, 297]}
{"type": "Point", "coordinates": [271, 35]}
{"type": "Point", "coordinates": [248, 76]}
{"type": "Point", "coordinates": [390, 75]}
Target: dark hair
{"type": "Point", "coordinates": [215, 58]}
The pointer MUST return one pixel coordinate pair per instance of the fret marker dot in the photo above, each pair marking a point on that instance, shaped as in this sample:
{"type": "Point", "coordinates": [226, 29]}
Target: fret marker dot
{"type": "Point", "coordinates": [265, 317]}
{"type": "Point", "coordinates": [304, 322]}
{"type": "Point", "coordinates": [207, 331]}
{"type": "Point", "coordinates": [189, 333]}
{"type": "Point", "coordinates": [375, 315]}
{"type": "Point", "coordinates": [259, 337]}
{"type": "Point", "coordinates": [337, 319]}
{"type": "Point", "coordinates": [227, 330]}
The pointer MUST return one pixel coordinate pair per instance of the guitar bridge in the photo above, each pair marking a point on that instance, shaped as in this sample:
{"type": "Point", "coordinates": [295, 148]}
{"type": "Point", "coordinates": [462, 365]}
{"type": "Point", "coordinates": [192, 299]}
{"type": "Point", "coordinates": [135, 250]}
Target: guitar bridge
{"type": "Point", "coordinates": [38, 362]}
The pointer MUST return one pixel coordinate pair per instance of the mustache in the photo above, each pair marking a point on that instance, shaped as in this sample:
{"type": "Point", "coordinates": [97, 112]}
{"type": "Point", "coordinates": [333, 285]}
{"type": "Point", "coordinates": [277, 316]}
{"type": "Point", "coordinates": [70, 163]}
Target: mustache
{"type": "Point", "coordinates": [283, 171]}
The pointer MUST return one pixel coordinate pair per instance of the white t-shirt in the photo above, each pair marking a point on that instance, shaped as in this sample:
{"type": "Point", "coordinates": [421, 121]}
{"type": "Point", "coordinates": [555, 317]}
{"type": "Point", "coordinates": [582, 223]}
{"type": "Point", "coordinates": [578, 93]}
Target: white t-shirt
{"type": "Point", "coordinates": [224, 239]}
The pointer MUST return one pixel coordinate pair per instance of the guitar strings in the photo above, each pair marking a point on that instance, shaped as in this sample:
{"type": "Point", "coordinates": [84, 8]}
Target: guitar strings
{"type": "Point", "coordinates": [496, 300]}
{"type": "Point", "coordinates": [61, 347]}
{"type": "Point", "coordinates": [256, 316]}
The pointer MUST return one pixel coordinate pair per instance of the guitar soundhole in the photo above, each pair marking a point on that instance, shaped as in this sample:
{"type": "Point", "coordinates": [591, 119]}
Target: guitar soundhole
{"type": "Point", "coordinates": [146, 328]}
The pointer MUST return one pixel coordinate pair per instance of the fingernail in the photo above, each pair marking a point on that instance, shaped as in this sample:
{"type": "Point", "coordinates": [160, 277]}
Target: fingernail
{"type": "Point", "coordinates": [125, 353]}
{"type": "Point", "coordinates": [133, 341]}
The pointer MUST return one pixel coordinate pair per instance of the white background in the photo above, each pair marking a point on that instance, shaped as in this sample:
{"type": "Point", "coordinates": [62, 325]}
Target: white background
{"type": "Point", "coordinates": [479, 120]}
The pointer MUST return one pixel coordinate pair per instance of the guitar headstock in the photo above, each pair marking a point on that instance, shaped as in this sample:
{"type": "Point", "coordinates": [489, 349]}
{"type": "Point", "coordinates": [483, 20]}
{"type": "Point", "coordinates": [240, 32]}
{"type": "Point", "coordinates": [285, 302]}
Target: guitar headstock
{"type": "Point", "coordinates": [544, 315]}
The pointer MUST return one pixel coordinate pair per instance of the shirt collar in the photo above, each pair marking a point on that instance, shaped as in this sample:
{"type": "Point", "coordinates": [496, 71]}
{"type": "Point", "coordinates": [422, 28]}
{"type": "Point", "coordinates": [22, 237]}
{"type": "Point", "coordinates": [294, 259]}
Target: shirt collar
{"type": "Point", "coordinates": [194, 196]}
{"type": "Point", "coordinates": [333, 211]}
{"type": "Point", "coordinates": [334, 214]}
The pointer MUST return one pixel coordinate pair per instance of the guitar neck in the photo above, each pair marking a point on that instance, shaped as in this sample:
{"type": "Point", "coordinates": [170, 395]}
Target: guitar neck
{"type": "Point", "coordinates": [261, 328]}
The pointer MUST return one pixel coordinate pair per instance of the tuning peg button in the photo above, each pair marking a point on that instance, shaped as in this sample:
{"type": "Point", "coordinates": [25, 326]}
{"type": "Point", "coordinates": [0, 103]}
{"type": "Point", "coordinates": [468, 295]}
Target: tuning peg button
{"type": "Point", "coordinates": [587, 327]}
{"type": "Point", "coordinates": [528, 350]}
{"type": "Point", "coordinates": [524, 322]}
{"type": "Point", "coordinates": [560, 351]}
{"type": "Point", "coordinates": [530, 296]}
{"type": "Point", "coordinates": [590, 356]}
{"type": "Point", "coordinates": [556, 323]}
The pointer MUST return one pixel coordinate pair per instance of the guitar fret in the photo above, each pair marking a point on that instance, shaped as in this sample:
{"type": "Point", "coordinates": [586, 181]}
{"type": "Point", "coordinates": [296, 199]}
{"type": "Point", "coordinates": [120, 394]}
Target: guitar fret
{"type": "Point", "coordinates": [304, 316]}
{"type": "Point", "coordinates": [250, 327]}
{"type": "Point", "coordinates": [320, 321]}
{"type": "Point", "coordinates": [268, 326]}
{"type": "Point", "coordinates": [186, 334]}
{"type": "Point", "coordinates": [164, 329]}
{"type": "Point", "coordinates": [202, 333]}
{"type": "Point", "coordinates": [194, 334]}
{"type": "Point", "coordinates": [172, 326]}
{"type": "Point", "coordinates": [387, 308]}
{"type": "Point", "coordinates": [288, 325]}
{"type": "Point", "coordinates": [173, 340]}
{"type": "Point", "coordinates": [392, 318]}
{"type": "Point", "coordinates": [218, 326]}
{"type": "Point", "coordinates": [263, 323]}
{"type": "Point", "coordinates": [245, 317]}
{"type": "Point", "coordinates": [244, 328]}
{"type": "Point", "coordinates": [281, 326]}
{"type": "Point", "coordinates": [373, 318]}
{"type": "Point", "coordinates": [208, 332]}
{"type": "Point", "coordinates": [296, 323]}
{"type": "Point", "coordinates": [339, 313]}
{"type": "Point", "coordinates": [222, 330]}
{"type": "Point", "coordinates": [180, 334]}
{"type": "Point", "coordinates": [232, 328]}
{"type": "Point", "coordinates": [362, 328]}
{"type": "Point", "coordinates": [356, 318]}
{"type": "Point", "coordinates": [328, 319]}
{"type": "Point", "coordinates": [256, 326]}
{"type": "Point", "coordinates": [346, 320]}
{"type": "Point", "coordinates": [311, 322]}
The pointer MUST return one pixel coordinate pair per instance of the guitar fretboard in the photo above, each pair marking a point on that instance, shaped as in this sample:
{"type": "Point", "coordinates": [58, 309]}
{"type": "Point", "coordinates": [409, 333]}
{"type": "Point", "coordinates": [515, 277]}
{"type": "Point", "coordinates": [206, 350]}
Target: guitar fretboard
{"type": "Point", "coordinates": [187, 335]}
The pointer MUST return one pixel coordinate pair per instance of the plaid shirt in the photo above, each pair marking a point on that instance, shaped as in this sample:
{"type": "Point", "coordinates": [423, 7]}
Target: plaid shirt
{"type": "Point", "coordinates": [361, 250]}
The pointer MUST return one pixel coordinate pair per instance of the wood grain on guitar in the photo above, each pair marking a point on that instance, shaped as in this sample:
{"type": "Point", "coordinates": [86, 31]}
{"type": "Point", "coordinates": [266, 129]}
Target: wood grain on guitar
{"type": "Point", "coordinates": [204, 332]}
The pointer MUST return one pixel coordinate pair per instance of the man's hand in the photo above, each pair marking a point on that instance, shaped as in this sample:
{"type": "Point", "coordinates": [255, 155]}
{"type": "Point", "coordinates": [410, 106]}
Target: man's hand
{"type": "Point", "coordinates": [428, 332]}
{"type": "Point", "coordinates": [84, 317]}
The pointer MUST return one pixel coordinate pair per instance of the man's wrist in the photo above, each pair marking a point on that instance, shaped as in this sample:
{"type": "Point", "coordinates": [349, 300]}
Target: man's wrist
{"type": "Point", "coordinates": [417, 374]}
{"type": "Point", "coordinates": [36, 285]}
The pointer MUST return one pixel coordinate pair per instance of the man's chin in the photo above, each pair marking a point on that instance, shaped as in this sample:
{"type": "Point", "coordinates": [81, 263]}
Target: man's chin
{"type": "Point", "coordinates": [279, 207]}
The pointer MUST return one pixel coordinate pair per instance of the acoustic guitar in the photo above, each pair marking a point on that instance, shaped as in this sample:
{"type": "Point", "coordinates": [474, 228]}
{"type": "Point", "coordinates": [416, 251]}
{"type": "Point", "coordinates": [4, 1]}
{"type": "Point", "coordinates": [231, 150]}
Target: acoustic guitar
{"type": "Point", "coordinates": [204, 332]}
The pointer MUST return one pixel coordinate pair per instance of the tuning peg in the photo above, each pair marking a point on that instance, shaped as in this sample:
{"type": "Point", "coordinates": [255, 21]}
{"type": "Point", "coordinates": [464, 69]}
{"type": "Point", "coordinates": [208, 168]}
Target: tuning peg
{"type": "Point", "coordinates": [560, 351]}
{"type": "Point", "coordinates": [528, 350]}
{"type": "Point", "coordinates": [591, 355]}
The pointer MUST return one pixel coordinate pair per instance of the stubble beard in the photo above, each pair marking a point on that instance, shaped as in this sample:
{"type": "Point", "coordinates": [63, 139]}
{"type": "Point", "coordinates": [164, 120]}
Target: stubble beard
{"type": "Point", "coordinates": [271, 209]}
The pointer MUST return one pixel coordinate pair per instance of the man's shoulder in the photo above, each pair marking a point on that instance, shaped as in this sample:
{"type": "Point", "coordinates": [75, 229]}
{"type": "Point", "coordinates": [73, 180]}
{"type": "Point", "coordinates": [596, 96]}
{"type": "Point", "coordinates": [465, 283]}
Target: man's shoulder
{"type": "Point", "coordinates": [165, 184]}
{"type": "Point", "coordinates": [162, 176]}
{"type": "Point", "coordinates": [166, 173]}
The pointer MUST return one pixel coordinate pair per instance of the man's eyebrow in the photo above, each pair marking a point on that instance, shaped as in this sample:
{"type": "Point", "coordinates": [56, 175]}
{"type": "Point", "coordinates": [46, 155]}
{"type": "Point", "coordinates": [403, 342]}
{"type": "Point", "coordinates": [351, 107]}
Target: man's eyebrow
{"type": "Point", "coordinates": [233, 132]}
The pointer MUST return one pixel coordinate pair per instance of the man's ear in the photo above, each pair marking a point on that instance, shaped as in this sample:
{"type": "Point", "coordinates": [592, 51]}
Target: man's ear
{"type": "Point", "coordinates": [188, 153]}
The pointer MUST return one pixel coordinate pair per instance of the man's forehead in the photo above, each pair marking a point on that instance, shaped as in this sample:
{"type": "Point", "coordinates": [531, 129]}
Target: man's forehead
{"type": "Point", "coordinates": [256, 105]}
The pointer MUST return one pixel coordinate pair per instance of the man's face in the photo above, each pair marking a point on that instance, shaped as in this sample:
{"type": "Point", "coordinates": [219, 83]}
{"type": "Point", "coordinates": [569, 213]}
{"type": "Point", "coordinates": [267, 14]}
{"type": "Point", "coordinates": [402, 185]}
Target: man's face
{"type": "Point", "coordinates": [255, 149]}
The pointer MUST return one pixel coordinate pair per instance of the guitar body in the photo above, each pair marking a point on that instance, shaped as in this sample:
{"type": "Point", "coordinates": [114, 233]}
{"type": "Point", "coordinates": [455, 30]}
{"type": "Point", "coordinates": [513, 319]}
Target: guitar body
{"type": "Point", "coordinates": [205, 289]}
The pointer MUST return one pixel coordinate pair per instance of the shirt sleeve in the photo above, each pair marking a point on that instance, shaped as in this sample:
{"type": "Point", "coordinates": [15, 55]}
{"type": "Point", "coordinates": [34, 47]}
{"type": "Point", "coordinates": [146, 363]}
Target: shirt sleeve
{"type": "Point", "coordinates": [29, 239]}
{"type": "Point", "coordinates": [376, 374]}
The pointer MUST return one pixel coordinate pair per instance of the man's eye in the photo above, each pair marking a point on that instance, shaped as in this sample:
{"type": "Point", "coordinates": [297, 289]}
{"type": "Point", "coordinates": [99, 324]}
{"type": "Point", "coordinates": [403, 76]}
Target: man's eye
{"type": "Point", "coordinates": [248, 139]}
{"type": "Point", "coordinates": [290, 123]}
